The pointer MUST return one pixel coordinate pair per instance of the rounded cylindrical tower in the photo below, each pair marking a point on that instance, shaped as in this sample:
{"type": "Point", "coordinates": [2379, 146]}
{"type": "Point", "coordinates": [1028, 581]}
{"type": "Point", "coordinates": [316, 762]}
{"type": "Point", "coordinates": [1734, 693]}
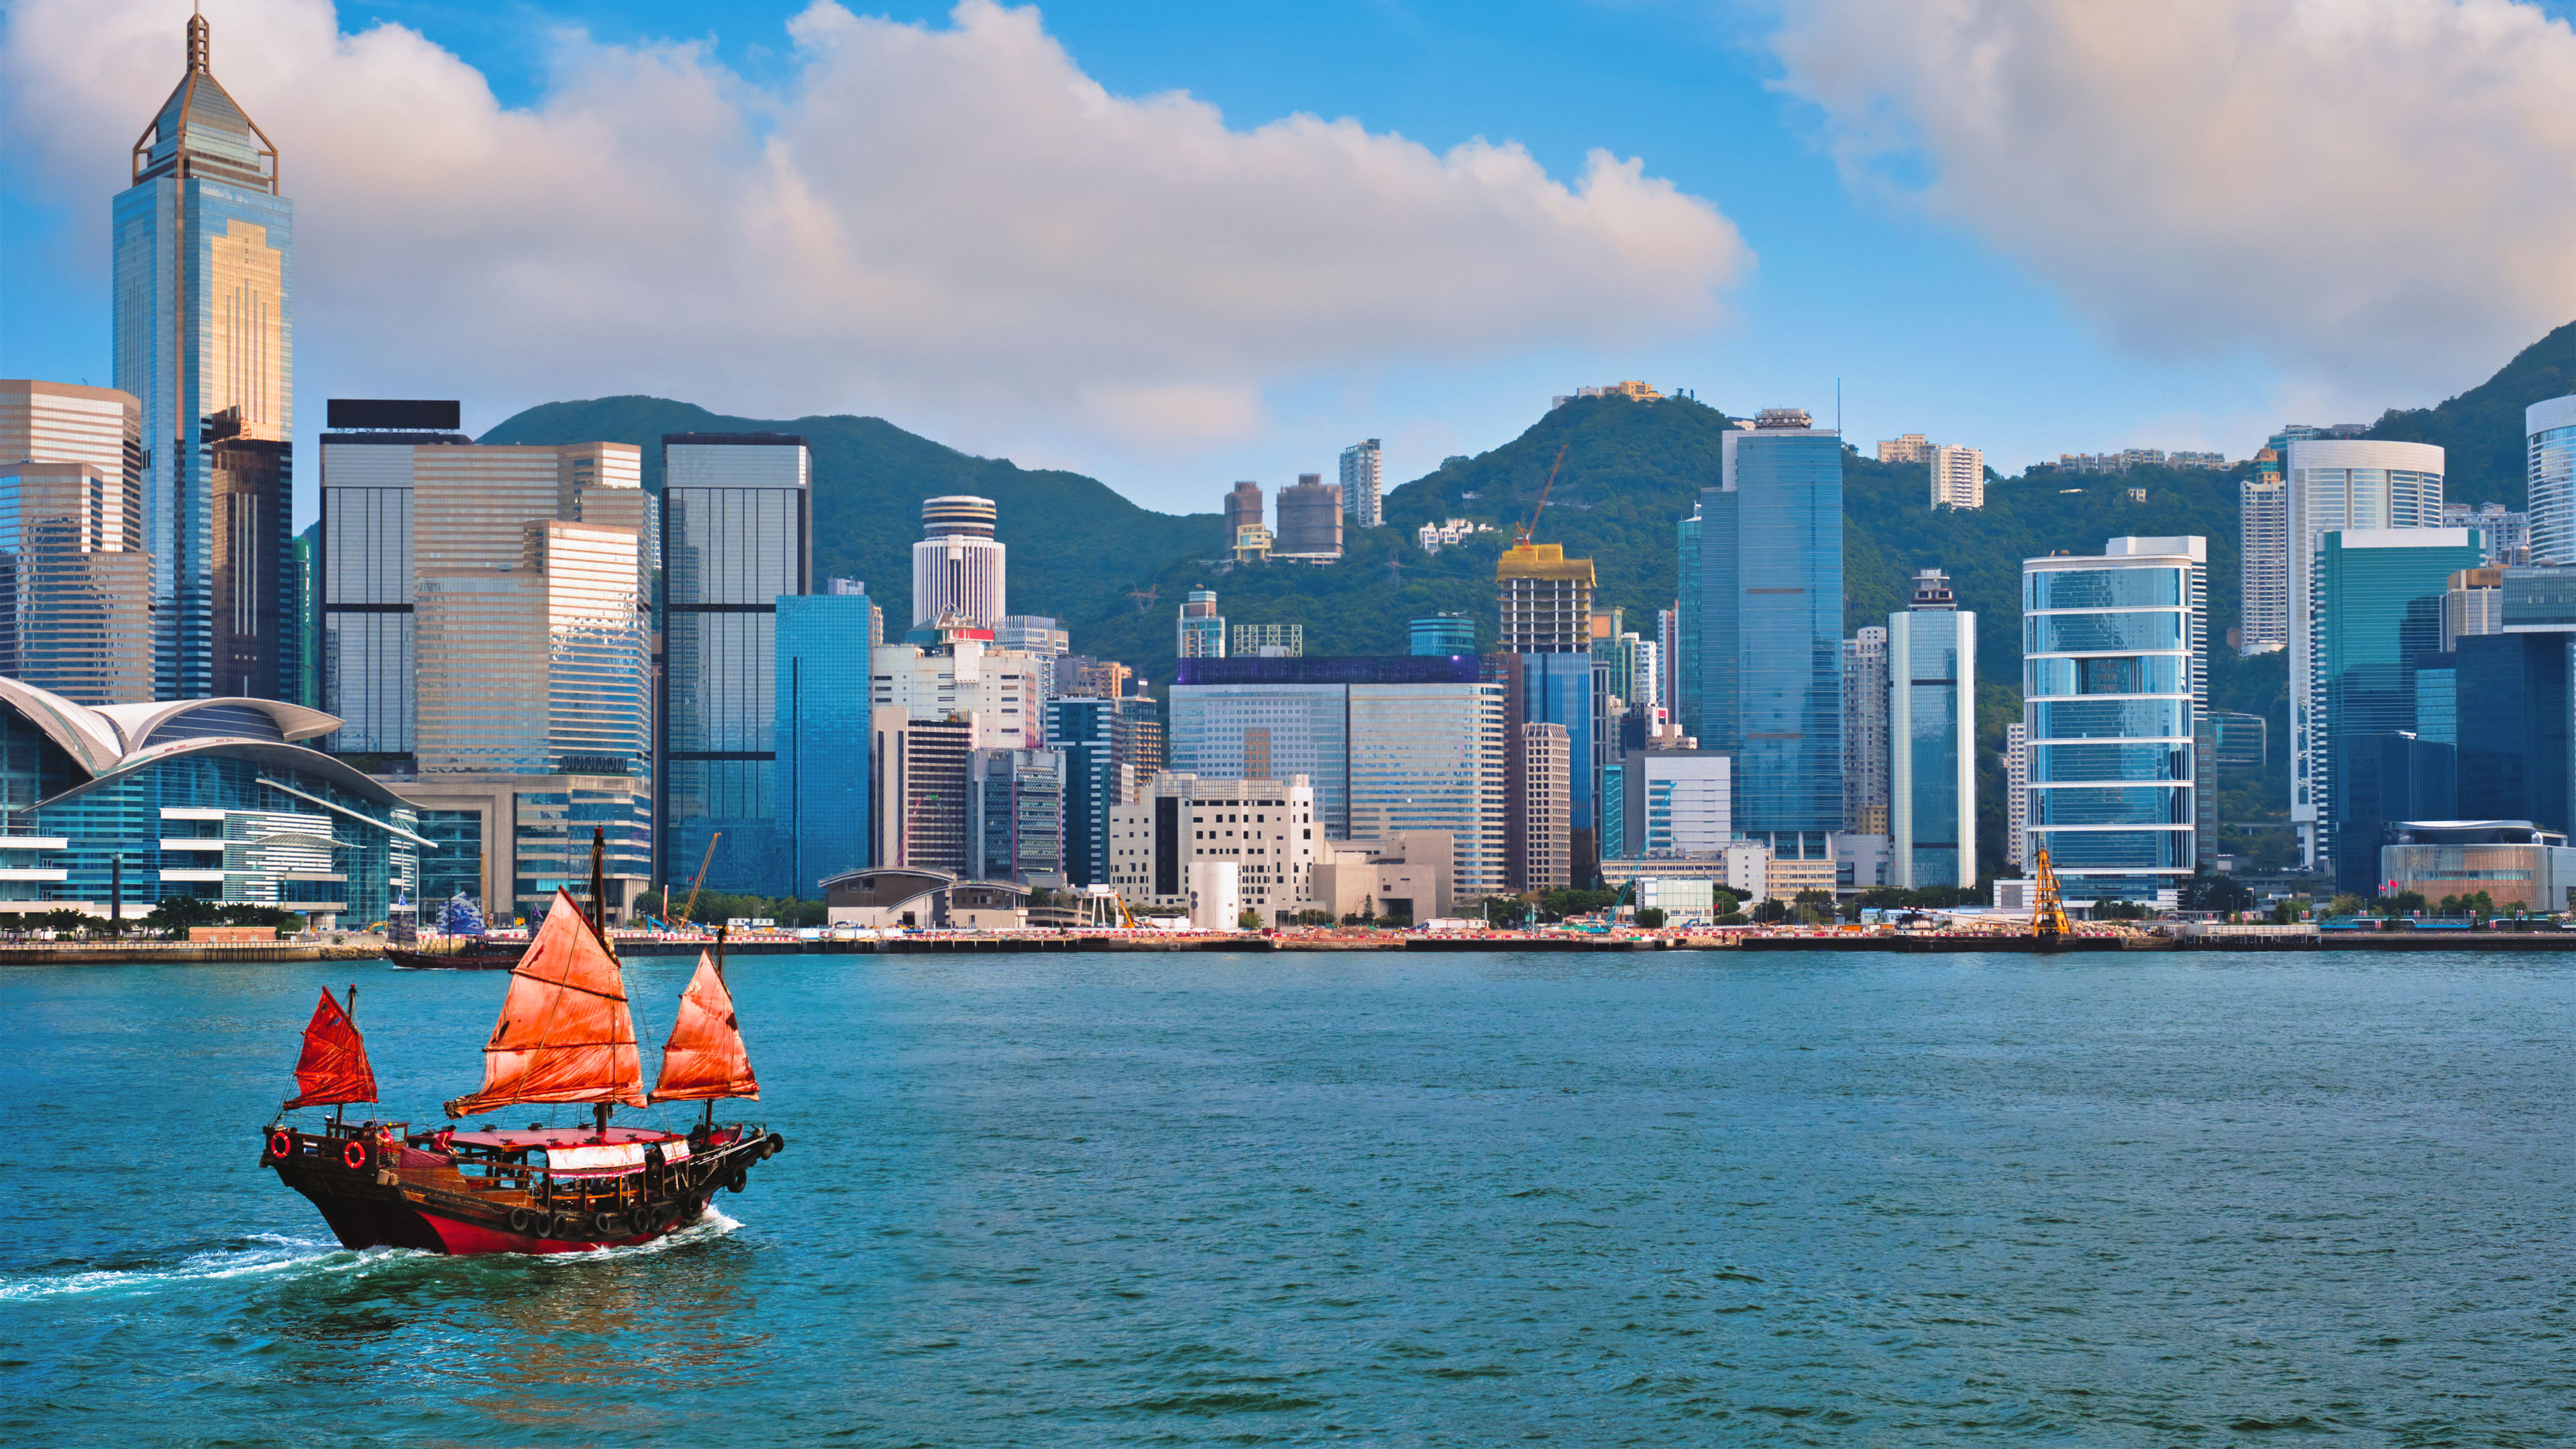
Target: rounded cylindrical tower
{"type": "Point", "coordinates": [958, 514]}
{"type": "Point", "coordinates": [957, 566]}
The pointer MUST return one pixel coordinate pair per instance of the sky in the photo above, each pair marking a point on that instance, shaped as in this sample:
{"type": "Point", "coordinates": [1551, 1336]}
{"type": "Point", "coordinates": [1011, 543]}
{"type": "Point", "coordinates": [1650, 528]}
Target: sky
{"type": "Point", "coordinates": [1172, 246]}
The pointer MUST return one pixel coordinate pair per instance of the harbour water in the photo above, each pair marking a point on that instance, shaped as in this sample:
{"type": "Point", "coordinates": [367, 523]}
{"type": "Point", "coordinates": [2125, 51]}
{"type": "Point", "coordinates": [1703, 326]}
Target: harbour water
{"type": "Point", "coordinates": [1642, 1199]}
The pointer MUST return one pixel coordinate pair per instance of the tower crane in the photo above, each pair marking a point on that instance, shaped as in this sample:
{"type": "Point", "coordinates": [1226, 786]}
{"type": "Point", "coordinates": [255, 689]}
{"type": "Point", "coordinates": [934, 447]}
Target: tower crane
{"type": "Point", "coordinates": [689, 914]}
{"type": "Point", "coordinates": [1522, 535]}
{"type": "Point", "coordinates": [2047, 915]}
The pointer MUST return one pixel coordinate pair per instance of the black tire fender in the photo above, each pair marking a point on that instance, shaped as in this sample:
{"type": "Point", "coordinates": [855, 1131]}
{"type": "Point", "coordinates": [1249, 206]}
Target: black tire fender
{"type": "Point", "coordinates": [741, 1177]}
{"type": "Point", "coordinates": [773, 1145]}
{"type": "Point", "coordinates": [526, 1222]}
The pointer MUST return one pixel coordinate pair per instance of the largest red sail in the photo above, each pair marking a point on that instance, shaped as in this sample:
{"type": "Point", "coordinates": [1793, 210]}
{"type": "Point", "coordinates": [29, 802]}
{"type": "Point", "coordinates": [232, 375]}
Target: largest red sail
{"type": "Point", "coordinates": [565, 1034]}
{"type": "Point", "coordinates": [705, 1059]}
{"type": "Point", "coordinates": [333, 1068]}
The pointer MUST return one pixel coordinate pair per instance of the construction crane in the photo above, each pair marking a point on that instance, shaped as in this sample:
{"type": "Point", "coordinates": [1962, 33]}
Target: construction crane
{"type": "Point", "coordinates": [2047, 914]}
{"type": "Point", "coordinates": [1522, 535]}
{"type": "Point", "coordinates": [688, 915]}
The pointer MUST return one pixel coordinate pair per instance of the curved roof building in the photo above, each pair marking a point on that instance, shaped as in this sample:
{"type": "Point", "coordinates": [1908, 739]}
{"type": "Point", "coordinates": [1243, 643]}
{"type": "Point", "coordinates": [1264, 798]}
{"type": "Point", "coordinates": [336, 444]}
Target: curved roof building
{"type": "Point", "coordinates": [122, 805]}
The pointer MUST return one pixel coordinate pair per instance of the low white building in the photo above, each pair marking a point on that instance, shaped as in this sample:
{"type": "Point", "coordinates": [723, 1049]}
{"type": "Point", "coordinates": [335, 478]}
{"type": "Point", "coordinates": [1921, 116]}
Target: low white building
{"type": "Point", "coordinates": [1683, 900]}
{"type": "Point", "coordinates": [1266, 828]}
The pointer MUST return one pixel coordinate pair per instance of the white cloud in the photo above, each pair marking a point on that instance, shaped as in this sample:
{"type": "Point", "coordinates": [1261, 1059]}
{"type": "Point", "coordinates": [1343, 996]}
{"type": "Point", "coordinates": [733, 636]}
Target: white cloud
{"type": "Point", "coordinates": [2373, 194]}
{"type": "Point", "coordinates": [954, 220]}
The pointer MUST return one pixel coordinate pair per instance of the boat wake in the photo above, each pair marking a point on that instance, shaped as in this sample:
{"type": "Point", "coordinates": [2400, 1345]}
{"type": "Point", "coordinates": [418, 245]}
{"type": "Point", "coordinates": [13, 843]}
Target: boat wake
{"type": "Point", "coordinates": [253, 1255]}
{"type": "Point", "coordinates": [258, 1255]}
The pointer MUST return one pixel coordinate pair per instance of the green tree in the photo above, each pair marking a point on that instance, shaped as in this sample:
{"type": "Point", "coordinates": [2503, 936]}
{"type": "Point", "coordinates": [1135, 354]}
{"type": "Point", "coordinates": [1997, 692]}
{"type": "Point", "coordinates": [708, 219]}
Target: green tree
{"type": "Point", "coordinates": [1650, 918]}
{"type": "Point", "coordinates": [1248, 918]}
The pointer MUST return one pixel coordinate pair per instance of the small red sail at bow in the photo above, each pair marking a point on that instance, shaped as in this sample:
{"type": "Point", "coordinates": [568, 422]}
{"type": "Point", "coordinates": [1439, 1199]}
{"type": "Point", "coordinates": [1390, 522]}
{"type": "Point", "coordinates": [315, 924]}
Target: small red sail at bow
{"type": "Point", "coordinates": [565, 1034]}
{"type": "Point", "coordinates": [704, 1059]}
{"type": "Point", "coordinates": [334, 1066]}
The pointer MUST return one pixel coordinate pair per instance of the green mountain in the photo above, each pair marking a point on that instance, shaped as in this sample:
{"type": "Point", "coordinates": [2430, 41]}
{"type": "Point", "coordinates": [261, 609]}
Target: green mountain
{"type": "Point", "coordinates": [1075, 543]}
{"type": "Point", "coordinates": [2481, 429]}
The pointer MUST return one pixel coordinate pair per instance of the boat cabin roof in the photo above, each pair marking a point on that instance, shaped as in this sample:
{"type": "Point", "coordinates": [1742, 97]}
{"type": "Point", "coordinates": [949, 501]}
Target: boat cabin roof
{"type": "Point", "coordinates": [553, 1137]}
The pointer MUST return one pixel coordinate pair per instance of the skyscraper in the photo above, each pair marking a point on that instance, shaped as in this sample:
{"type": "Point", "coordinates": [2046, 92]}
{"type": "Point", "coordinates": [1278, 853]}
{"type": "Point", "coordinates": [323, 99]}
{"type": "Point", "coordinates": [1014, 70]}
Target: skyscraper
{"type": "Point", "coordinates": [2113, 781]}
{"type": "Point", "coordinates": [1932, 737]}
{"type": "Point", "coordinates": [1442, 634]}
{"type": "Point", "coordinates": [2549, 438]}
{"type": "Point", "coordinates": [1363, 470]}
{"type": "Point", "coordinates": [1083, 733]}
{"type": "Point", "coordinates": [1544, 600]}
{"type": "Point", "coordinates": [1865, 739]}
{"type": "Point", "coordinates": [2379, 595]}
{"type": "Point", "coordinates": [1767, 631]}
{"type": "Point", "coordinates": [1201, 632]}
{"type": "Point", "coordinates": [958, 567]}
{"type": "Point", "coordinates": [1242, 506]}
{"type": "Point", "coordinates": [76, 594]}
{"type": "Point", "coordinates": [2263, 565]}
{"type": "Point", "coordinates": [1310, 520]}
{"type": "Point", "coordinates": [1958, 476]}
{"type": "Point", "coordinates": [2339, 483]}
{"type": "Point", "coordinates": [736, 537]}
{"type": "Point", "coordinates": [1538, 764]}
{"type": "Point", "coordinates": [368, 612]}
{"type": "Point", "coordinates": [202, 245]}
{"type": "Point", "coordinates": [2016, 792]}
{"type": "Point", "coordinates": [822, 737]}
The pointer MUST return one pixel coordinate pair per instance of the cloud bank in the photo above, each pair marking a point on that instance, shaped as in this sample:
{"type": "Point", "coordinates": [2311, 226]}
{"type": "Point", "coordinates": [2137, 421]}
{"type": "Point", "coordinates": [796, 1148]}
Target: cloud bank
{"type": "Point", "coordinates": [2377, 194]}
{"type": "Point", "coordinates": [916, 215]}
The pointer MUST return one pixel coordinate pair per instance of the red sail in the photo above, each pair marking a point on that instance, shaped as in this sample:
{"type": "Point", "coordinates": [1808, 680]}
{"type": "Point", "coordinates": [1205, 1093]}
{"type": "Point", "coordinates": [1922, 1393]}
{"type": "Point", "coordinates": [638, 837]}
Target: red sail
{"type": "Point", "coordinates": [334, 1066]}
{"type": "Point", "coordinates": [564, 1034]}
{"type": "Point", "coordinates": [705, 1058]}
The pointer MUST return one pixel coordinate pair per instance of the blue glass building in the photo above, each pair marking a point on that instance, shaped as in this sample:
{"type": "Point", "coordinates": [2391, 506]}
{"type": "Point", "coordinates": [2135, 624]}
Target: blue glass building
{"type": "Point", "coordinates": [2115, 682]}
{"type": "Point", "coordinates": [822, 740]}
{"type": "Point", "coordinates": [1931, 731]}
{"type": "Point", "coordinates": [2378, 617]}
{"type": "Point", "coordinates": [203, 249]}
{"type": "Point", "coordinates": [1442, 634]}
{"type": "Point", "coordinates": [1083, 732]}
{"type": "Point", "coordinates": [735, 540]}
{"type": "Point", "coordinates": [1766, 633]}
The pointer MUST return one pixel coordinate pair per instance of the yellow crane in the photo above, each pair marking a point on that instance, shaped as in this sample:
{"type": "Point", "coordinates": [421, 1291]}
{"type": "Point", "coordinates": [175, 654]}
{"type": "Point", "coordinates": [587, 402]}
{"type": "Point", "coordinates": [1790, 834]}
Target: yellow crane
{"type": "Point", "coordinates": [688, 914]}
{"type": "Point", "coordinates": [1523, 533]}
{"type": "Point", "coordinates": [2047, 915]}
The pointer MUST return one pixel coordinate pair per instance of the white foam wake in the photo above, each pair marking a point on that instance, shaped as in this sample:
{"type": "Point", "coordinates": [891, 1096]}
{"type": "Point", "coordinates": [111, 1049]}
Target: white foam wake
{"type": "Point", "coordinates": [256, 1254]}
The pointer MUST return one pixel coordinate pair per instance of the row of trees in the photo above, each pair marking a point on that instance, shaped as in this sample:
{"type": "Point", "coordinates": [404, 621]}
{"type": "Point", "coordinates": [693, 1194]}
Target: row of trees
{"type": "Point", "coordinates": [170, 917]}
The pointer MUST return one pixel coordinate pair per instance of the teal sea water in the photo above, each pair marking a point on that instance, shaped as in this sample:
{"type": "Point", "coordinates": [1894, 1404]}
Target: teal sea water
{"type": "Point", "coordinates": [1454, 1200]}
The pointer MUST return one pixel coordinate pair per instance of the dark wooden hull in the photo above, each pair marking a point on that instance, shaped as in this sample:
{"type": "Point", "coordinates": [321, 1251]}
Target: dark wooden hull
{"type": "Point", "coordinates": [476, 959]}
{"type": "Point", "coordinates": [396, 1197]}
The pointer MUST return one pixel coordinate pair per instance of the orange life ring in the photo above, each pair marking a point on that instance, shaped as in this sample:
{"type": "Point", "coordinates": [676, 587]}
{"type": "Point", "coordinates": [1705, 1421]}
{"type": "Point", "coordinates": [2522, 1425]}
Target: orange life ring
{"type": "Point", "coordinates": [280, 1145]}
{"type": "Point", "coordinates": [355, 1154]}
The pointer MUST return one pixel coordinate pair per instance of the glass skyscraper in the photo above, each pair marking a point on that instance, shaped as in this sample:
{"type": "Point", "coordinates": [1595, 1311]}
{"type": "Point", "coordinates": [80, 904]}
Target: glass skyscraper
{"type": "Point", "coordinates": [2115, 682]}
{"type": "Point", "coordinates": [735, 539]}
{"type": "Point", "coordinates": [1932, 738]}
{"type": "Point", "coordinates": [2379, 594]}
{"type": "Point", "coordinates": [202, 249]}
{"type": "Point", "coordinates": [822, 739]}
{"type": "Point", "coordinates": [2549, 438]}
{"type": "Point", "coordinates": [1402, 742]}
{"type": "Point", "coordinates": [2338, 483]}
{"type": "Point", "coordinates": [1768, 628]}
{"type": "Point", "coordinates": [1084, 732]}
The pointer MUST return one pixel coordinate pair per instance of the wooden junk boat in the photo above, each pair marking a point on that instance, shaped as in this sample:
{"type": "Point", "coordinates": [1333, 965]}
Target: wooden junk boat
{"type": "Point", "coordinates": [564, 1036]}
{"type": "Point", "coordinates": [468, 947]}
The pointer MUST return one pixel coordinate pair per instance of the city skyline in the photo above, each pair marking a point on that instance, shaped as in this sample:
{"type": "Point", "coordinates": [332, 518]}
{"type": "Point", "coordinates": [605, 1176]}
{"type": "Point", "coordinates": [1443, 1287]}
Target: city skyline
{"type": "Point", "coordinates": [2032, 358]}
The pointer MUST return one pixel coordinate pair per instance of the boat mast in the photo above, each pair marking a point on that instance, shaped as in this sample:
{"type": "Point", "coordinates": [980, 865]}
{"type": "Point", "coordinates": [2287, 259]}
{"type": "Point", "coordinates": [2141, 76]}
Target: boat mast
{"type": "Point", "coordinates": [599, 927]}
{"type": "Point", "coordinates": [339, 1110]}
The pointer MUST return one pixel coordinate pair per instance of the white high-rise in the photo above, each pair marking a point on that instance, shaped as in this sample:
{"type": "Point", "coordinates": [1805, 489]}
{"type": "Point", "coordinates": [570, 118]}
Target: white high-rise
{"type": "Point", "coordinates": [2263, 566]}
{"type": "Point", "coordinates": [2549, 429]}
{"type": "Point", "coordinates": [1958, 475]}
{"type": "Point", "coordinates": [2340, 483]}
{"type": "Point", "coordinates": [1363, 474]}
{"type": "Point", "coordinates": [957, 565]}
{"type": "Point", "coordinates": [2016, 791]}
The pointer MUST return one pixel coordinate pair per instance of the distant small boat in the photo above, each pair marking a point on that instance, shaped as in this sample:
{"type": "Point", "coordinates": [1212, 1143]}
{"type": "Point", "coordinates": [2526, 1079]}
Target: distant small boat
{"type": "Point", "coordinates": [462, 923]}
{"type": "Point", "coordinates": [564, 1036]}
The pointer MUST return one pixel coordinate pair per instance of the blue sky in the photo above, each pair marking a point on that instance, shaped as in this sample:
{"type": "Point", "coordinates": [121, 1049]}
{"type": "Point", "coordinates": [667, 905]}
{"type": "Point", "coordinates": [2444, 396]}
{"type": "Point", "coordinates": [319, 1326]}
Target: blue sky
{"type": "Point", "coordinates": [1955, 282]}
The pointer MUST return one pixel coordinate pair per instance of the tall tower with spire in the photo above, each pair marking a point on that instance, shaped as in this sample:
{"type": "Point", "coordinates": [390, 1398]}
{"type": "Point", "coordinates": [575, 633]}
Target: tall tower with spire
{"type": "Point", "coordinates": [204, 336]}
